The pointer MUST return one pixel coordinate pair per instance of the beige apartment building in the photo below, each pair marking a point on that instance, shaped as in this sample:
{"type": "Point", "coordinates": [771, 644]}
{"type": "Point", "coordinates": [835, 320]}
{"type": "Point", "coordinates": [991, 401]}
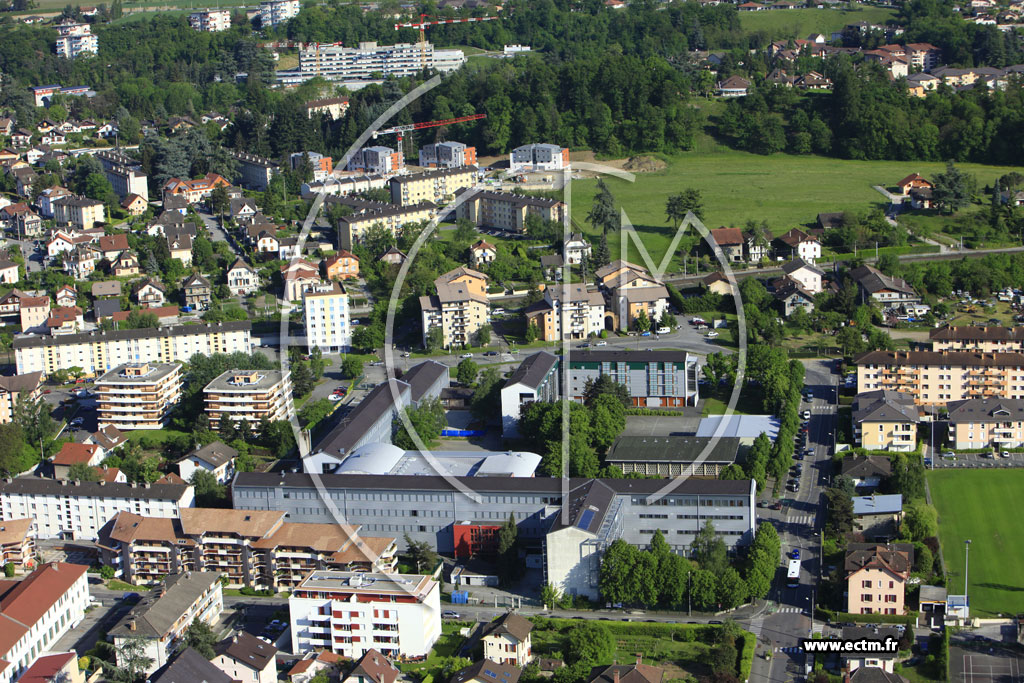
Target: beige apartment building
{"type": "Point", "coordinates": [14, 388]}
{"type": "Point", "coordinates": [352, 228]}
{"type": "Point", "coordinates": [876, 576]}
{"type": "Point", "coordinates": [137, 395]}
{"type": "Point", "coordinates": [977, 338]}
{"type": "Point", "coordinates": [249, 395]}
{"type": "Point", "coordinates": [885, 420]}
{"type": "Point", "coordinates": [78, 212]}
{"type": "Point", "coordinates": [459, 308]}
{"type": "Point", "coordinates": [17, 543]}
{"type": "Point", "coordinates": [567, 311]}
{"type": "Point", "coordinates": [934, 378]}
{"type": "Point", "coordinates": [437, 186]}
{"type": "Point", "coordinates": [986, 423]}
{"type": "Point", "coordinates": [258, 549]}
{"type": "Point", "coordinates": [506, 211]}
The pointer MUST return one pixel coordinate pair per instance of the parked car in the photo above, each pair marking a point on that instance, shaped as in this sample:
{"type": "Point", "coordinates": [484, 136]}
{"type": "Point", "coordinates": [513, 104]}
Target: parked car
{"type": "Point", "coordinates": [806, 415]}
{"type": "Point", "coordinates": [449, 614]}
{"type": "Point", "coordinates": [490, 353]}
{"type": "Point", "coordinates": [795, 555]}
{"type": "Point", "coordinates": [77, 422]}
{"type": "Point", "coordinates": [584, 345]}
{"type": "Point", "coordinates": [601, 343]}
{"type": "Point", "coordinates": [711, 335]}
{"type": "Point", "coordinates": [645, 334]}
{"type": "Point", "coordinates": [664, 330]}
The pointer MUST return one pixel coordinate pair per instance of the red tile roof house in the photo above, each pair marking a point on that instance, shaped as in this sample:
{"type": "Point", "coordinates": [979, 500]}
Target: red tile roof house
{"type": "Point", "coordinates": [731, 242]}
{"type": "Point", "coordinates": [73, 454]}
{"type": "Point", "coordinates": [36, 612]}
{"type": "Point", "coordinates": [913, 181]}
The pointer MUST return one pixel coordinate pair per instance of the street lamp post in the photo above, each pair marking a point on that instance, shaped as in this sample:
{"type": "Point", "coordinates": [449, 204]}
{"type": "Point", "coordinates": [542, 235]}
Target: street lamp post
{"type": "Point", "coordinates": [967, 553]}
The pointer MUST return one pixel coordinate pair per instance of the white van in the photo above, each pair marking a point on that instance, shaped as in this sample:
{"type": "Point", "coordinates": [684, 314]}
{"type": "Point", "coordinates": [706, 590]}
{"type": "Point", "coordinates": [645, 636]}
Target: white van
{"type": "Point", "coordinates": [664, 330]}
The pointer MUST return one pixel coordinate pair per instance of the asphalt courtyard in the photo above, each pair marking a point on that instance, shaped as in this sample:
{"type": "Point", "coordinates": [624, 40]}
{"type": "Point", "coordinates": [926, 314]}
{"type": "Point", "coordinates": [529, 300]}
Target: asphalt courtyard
{"type": "Point", "coordinates": [997, 666]}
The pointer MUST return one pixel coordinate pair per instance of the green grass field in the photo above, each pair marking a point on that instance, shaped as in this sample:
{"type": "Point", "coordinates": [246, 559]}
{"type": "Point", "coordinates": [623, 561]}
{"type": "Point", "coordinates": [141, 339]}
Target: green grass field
{"type": "Point", "coordinates": [979, 505]}
{"type": "Point", "coordinates": [799, 23]}
{"type": "Point", "coordinates": [787, 191]}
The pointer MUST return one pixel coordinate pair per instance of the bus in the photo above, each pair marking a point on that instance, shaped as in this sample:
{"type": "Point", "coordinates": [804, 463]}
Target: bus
{"type": "Point", "coordinates": [793, 575]}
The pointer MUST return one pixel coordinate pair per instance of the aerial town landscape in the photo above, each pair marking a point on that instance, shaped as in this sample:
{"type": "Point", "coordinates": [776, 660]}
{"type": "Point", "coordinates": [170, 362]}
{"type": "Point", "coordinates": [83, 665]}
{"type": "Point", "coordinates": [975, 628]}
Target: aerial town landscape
{"type": "Point", "coordinates": [506, 341]}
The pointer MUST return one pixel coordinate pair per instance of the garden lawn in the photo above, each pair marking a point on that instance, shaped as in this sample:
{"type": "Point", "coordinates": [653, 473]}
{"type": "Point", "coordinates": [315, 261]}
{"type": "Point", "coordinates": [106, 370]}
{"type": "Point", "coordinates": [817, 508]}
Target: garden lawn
{"type": "Point", "coordinates": [786, 191]}
{"type": "Point", "coordinates": [799, 23]}
{"type": "Point", "coordinates": [982, 505]}
{"type": "Point", "coordinates": [446, 646]}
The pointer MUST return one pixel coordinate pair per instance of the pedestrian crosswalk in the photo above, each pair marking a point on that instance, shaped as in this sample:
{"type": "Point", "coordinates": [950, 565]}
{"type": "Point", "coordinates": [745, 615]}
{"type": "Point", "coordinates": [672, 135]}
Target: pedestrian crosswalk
{"type": "Point", "coordinates": [789, 610]}
{"type": "Point", "coordinates": [792, 649]}
{"type": "Point", "coordinates": [801, 519]}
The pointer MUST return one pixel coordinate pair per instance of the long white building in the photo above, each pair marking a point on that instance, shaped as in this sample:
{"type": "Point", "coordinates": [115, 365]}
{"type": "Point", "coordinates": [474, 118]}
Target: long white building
{"type": "Point", "coordinates": [336, 62]}
{"type": "Point", "coordinates": [37, 611]}
{"type": "Point", "coordinates": [349, 613]}
{"type": "Point", "coordinates": [78, 510]}
{"type": "Point", "coordinates": [274, 12]}
{"type": "Point", "coordinates": [97, 351]}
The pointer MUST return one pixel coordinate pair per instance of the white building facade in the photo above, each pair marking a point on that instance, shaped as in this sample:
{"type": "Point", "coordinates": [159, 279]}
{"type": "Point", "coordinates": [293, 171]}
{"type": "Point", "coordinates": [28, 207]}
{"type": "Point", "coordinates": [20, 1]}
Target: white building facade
{"type": "Point", "coordinates": [327, 318]}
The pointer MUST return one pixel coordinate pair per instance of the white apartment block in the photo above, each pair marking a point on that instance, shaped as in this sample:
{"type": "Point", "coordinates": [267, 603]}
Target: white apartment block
{"type": "Point", "coordinates": [249, 395]}
{"type": "Point", "coordinates": [97, 351]}
{"type": "Point", "coordinates": [538, 157]}
{"type": "Point", "coordinates": [274, 12]}
{"type": "Point", "coordinates": [37, 611]}
{"type": "Point", "coordinates": [165, 613]}
{"type": "Point", "coordinates": [138, 395]}
{"type": "Point", "coordinates": [327, 318]}
{"type": "Point", "coordinates": [76, 46]}
{"type": "Point", "coordinates": [210, 20]}
{"type": "Point", "coordinates": [376, 160]}
{"type": "Point", "coordinates": [447, 155]}
{"type": "Point", "coordinates": [78, 510]}
{"type": "Point", "coordinates": [338, 63]}
{"type": "Point", "coordinates": [349, 613]}
{"type": "Point", "coordinates": [126, 181]}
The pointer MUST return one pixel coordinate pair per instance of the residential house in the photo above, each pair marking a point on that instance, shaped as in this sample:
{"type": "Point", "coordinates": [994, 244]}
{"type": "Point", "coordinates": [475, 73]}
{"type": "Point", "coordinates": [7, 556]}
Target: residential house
{"type": "Point", "coordinates": [34, 311]}
{"type": "Point", "coordinates": [921, 198]}
{"type": "Point", "coordinates": [216, 458]}
{"type": "Point", "coordinates": [758, 245]}
{"type": "Point", "coordinates": [886, 290]}
{"type": "Point", "coordinates": [800, 245]}
{"type": "Point", "coordinates": [194, 191]}
{"type": "Point", "coordinates": [878, 517]}
{"type": "Point", "coordinates": [507, 640]}
{"type": "Point", "coordinates": [112, 246]}
{"type": "Point", "coordinates": [574, 248]}
{"type": "Point", "coordinates": [885, 420]}
{"type": "Point", "coordinates": [373, 667]}
{"type": "Point", "coordinates": [482, 253]}
{"type": "Point", "coordinates": [876, 577]}
{"type": "Point", "coordinates": [198, 292]}
{"type": "Point", "coordinates": [179, 244]}
{"type": "Point", "coordinates": [731, 241]}
{"type": "Point", "coordinates": [342, 266]}
{"type": "Point", "coordinates": [126, 264]}
{"type": "Point", "coordinates": [243, 208]}
{"type": "Point", "coordinates": [48, 196]}
{"type": "Point", "coordinates": [10, 303]}
{"type": "Point", "coordinates": [162, 616]}
{"type": "Point", "coordinates": [65, 320]}
{"type": "Point", "coordinates": [567, 312]}
{"type": "Point", "coordinates": [242, 279]}
{"type": "Point", "coordinates": [72, 453]}
{"type": "Point", "coordinates": [66, 296]}
{"type": "Point", "coordinates": [866, 471]}
{"type": "Point", "coordinates": [717, 283]}
{"type": "Point", "coordinates": [288, 248]}
{"type": "Point", "coordinates": [244, 658]}
{"type": "Point", "coordinates": [188, 666]}
{"type": "Point", "coordinates": [312, 664]}
{"type": "Point", "coordinates": [734, 86]}
{"type": "Point", "coordinates": [150, 294]}
{"type": "Point", "coordinates": [8, 272]}
{"type": "Point", "coordinates": [791, 295]}
{"type": "Point", "coordinates": [108, 438]}
{"type": "Point", "coordinates": [81, 261]}
{"type": "Point", "coordinates": [626, 673]}
{"type": "Point", "coordinates": [298, 276]}
{"type": "Point", "coordinates": [487, 671]}
{"type": "Point", "coordinates": [920, 84]}
{"type": "Point", "coordinates": [393, 256]}
{"type": "Point", "coordinates": [134, 204]}
{"type": "Point", "coordinates": [871, 666]}
{"type": "Point", "coordinates": [17, 543]}
{"type": "Point", "coordinates": [912, 182]}
{"type": "Point", "coordinates": [21, 138]}
{"type": "Point", "coordinates": [806, 274]}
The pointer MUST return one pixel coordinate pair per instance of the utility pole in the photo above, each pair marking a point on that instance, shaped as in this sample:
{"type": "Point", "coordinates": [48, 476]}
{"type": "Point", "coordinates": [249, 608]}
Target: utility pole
{"type": "Point", "coordinates": [689, 578]}
{"type": "Point", "coordinates": [967, 552]}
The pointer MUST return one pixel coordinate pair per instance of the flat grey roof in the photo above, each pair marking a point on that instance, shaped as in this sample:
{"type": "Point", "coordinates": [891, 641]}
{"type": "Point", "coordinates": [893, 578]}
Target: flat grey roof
{"type": "Point", "coordinates": [877, 505]}
{"type": "Point", "coordinates": [157, 371]}
{"type": "Point", "coordinates": [681, 449]}
{"type": "Point", "coordinates": [96, 489]}
{"type": "Point", "coordinates": [223, 381]}
{"type": "Point", "coordinates": [741, 426]}
{"type": "Point", "coordinates": [97, 336]}
{"type": "Point", "coordinates": [626, 356]}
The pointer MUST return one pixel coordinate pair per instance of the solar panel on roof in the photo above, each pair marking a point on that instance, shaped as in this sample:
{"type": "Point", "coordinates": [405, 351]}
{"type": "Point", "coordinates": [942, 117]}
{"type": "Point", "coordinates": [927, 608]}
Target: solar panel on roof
{"type": "Point", "coordinates": [490, 673]}
{"type": "Point", "coordinates": [586, 519]}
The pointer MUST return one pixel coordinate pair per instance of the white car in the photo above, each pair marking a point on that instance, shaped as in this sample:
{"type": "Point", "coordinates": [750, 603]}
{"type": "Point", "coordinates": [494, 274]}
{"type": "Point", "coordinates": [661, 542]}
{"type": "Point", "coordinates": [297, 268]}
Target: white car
{"type": "Point", "coordinates": [711, 335]}
{"type": "Point", "coordinates": [466, 355]}
{"type": "Point", "coordinates": [601, 343]}
{"type": "Point", "coordinates": [806, 415]}
{"type": "Point", "coordinates": [335, 397]}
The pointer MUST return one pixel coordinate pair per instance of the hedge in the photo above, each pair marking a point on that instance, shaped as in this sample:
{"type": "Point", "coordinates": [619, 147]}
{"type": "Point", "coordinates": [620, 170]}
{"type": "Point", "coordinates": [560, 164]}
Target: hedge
{"type": "Point", "coordinates": [747, 655]}
{"type": "Point", "coordinates": [882, 251]}
{"type": "Point", "coordinates": [909, 619]}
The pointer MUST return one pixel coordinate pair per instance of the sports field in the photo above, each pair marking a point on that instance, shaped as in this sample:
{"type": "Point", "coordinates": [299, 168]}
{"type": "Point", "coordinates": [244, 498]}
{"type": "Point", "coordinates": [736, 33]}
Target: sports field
{"type": "Point", "coordinates": [787, 191]}
{"type": "Point", "coordinates": [982, 505]}
{"type": "Point", "coordinates": [799, 23]}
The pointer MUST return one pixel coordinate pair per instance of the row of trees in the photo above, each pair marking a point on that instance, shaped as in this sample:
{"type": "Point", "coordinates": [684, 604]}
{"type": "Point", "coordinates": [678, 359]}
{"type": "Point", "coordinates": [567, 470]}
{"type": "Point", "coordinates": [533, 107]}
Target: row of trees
{"type": "Point", "coordinates": [705, 581]}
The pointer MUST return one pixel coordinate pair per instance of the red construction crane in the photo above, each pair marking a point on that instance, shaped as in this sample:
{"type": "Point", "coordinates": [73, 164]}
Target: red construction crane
{"type": "Point", "coordinates": [422, 24]}
{"type": "Point", "coordinates": [401, 130]}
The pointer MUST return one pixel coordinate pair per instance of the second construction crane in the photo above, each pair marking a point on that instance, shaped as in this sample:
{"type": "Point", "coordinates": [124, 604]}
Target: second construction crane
{"type": "Point", "coordinates": [409, 127]}
{"type": "Point", "coordinates": [422, 24]}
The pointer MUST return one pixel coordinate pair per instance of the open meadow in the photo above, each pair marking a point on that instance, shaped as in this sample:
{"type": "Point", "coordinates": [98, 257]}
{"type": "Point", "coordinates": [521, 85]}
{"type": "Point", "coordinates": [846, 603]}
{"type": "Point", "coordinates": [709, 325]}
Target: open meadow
{"type": "Point", "coordinates": [786, 191]}
{"type": "Point", "coordinates": [979, 505]}
{"type": "Point", "coordinates": [799, 23]}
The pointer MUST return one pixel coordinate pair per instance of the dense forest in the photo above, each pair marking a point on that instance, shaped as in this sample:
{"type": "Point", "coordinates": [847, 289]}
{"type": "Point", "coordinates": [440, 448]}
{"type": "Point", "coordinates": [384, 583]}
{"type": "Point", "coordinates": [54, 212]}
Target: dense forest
{"type": "Point", "coordinates": [618, 82]}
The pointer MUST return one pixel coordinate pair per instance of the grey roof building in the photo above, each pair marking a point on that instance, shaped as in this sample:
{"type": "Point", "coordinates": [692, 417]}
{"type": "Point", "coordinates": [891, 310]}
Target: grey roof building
{"type": "Point", "coordinates": [188, 666]}
{"type": "Point", "coordinates": [886, 420]}
{"type": "Point", "coordinates": [866, 470]}
{"type": "Point", "coordinates": [536, 379]}
{"type": "Point", "coordinates": [876, 285]}
{"type": "Point", "coordinates": [673, 456]}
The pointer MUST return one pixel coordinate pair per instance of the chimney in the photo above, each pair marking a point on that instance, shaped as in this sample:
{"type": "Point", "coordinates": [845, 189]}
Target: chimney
{"type": "Point", "coordinates": [615, 676]}
{"type": "Point", "coordinates": [131, 625]}
{"type": "Point", "coordinates": [639, 659]}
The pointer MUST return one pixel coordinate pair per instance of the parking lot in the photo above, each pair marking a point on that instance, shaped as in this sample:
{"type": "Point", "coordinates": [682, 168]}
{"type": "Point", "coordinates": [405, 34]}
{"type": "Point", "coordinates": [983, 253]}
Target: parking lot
{"type": "Point", "coordinates": [978, 460]}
